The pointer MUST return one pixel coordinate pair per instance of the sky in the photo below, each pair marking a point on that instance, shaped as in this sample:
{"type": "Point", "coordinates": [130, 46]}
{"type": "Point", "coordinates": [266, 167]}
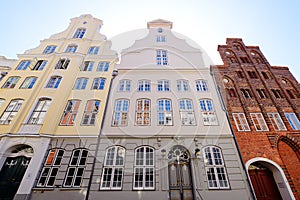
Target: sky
{"type": "Point", "coordinates": [273, 25]}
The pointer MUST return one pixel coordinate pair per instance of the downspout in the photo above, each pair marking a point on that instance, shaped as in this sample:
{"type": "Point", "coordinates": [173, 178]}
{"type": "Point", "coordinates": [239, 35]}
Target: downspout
{"type": "Point", "coordinates": [233, 135]}
{"type": "Point", "coordinates": [114, 74]}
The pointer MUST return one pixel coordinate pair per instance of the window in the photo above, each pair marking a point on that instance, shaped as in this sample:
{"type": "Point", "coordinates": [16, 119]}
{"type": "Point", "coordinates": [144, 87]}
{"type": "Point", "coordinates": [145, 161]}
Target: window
{"type": "Point", "coordinates": [241, 121]}
{"type": "Point", "coordinates": [291, 94]}
{"type": "Point", "coordinates": [93, 50]}
{"type": "Point", "coordinates": [163, 85]}
{"type": "Point", "coordinates": [231, 92]}
{"type": "Point", "coordinates": [70, 113]}
{"type": "Point", "coordinates": [239, 74]}
{"type": "Point", "coordinates": [87, 66]}
{"type": "Point", "coordinates": [293, 120]}
{"type": "Point", "coordinates": [160, 38]}
{"type": "Point", "coordinates": [62, 63]}
{"type": "Point", "coordinates": [276, 93]}
{"type": "Point", "coordinates": [201, 86]}
{"type": "Point", "coordinates": [164, 112]}
{"type": "Point", "coordinates": [121, 112]}
{"type": "Point", "coordinates": [98, 84]}
{"type": "Point", "coordinates": [161, 57]}
{"type": "Point", "coordinates": [28, 83]}
{"type": "Point", "coordinates": [124, 85]}
{"type": "Point", "coordinates": [80, 83]}
{"type": "Point", "coordinates": [215, 168]}
{"type": "Point", "coordinates": [144, 169]}
{"type": "Point", "coordinates": [244, 60]}
{"type": "Point", "coordinates": [51, 167]}
{"type": "Point", "coordinates": [208, 113]}
{"type": "Point", "coordinates": [103, 67]}
{"type": "Point", "coordinates": [54, 82]}
{"type": "Point", "coordinates": [11, 111]}
{"type": "Point", "coordinates": [79, 33]}
{"type": "Point", "coordinates": [40, 65]}
{"type": "Point", "coordinates": [76, 168]}
{"type": "Point", "coordinates": [261, 93]}
{"type": "Point", "coordinates": [143, 107]}
{"type": "Point", "coordinates": [49, 49]}
{"type": "Point", "coordinates": [144, 85]}
{"type": "Point", "coordinates": [90, 112]}
{"type": "Point", "coordinates": [259, 122]}
{"type": "Point", "coordinates": [276, 121]}
{"type": "Point", "coordinates": [39, 113]}
{"type": "Point", "coordinates": [23, 65]}
{"type": "Point", "coordinates": [113, 170]}
{"type": "Point", "coordinates": [246, 93]}
{"type": "Point", "coordinates": [11, 82]}
{"type": "Point", "coordinates": [186, 112]}
{"type": "Point", "coordinates": [71, 49]}
{"type": "Point", "coordinates": [266, 75]}
{"type": "Point", "coordinates": [182, 85]}
{"type": "Point", "coordinates": [252, 75]}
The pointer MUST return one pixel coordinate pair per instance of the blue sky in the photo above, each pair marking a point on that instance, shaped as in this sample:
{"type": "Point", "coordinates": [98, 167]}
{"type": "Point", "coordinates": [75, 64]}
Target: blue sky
{"type": "Point", "coordinates": [274, 25]}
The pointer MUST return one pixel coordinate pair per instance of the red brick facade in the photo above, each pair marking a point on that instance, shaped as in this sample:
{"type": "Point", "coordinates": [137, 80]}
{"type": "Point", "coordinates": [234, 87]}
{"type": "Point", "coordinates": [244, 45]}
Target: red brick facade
{"type": "Point", "coordinates": [256, 94]}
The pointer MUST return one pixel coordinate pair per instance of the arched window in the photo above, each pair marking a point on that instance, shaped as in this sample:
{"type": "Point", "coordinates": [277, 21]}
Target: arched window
{"type": "Point", "coordinates": [28, 82]}
{"type": "Point", "coordinates": [164, 112]}
{"type": "Point", "coordinates": [215, 168]}
{"type": "Point", "coordinates": [90, 112]}
{"type": "Point", "coordinates": [143, 107]}
{"type": "Point", "coordinates": [39, 113]}
{"type": "Point", "coordinates": [11, 82]}
{"type": "Point", "coordinates": [124, 85]}
{"type": "Point", "coordinates": [120, 116]}
{"type": "Point", "coordinates": [208, 112]}
{"type": "Point", "coordinates": [11, 111]}
{"type": "Point", "coordinates": [70, 113]}
{"type": "Point", "coordinates": [113, 170]}
{"type": "Point", "coordinates": [54, 82]}
{"type": "Point", "coordinates": [144, 168]}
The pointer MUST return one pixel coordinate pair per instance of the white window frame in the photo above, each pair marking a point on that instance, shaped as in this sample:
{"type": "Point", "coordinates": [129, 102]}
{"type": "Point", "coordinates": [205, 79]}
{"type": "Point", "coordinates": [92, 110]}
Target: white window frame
{"type": "Point", "coordinates": [93, 50]}
{"type": "Point", "coordinates": [293, 120]}
{"type": "Point", "coordinates": [208, 112]}
{"type": "Point", "coordinates": [259, 122]}
{"type": "Point", "coordinates": [164, 112]}
{"type": "Point", "coordinates": [72, 48]}
{"type": "Point", "coordinates": [161, 38]}
{"type": "Point", "coordinates": [54, 82]}
{"type": "Point", "coordinates": [124, 85]}
{"type": "Point", "coordinates": [98, 83]}
{"type": "Point", "coordinates": [163, 85]}
{"type": "Point", "coordinates": [182, 85]}
{"type": "Point", "coordinates": [62, 63]}
{"type": "Point", "coordinates": [161, 57]}
{"type": "Point", "coordinates": [201, 85]}
{"type": "Point", "coordinates": [143, 112]}
{"type": "Point", "coordinates": [215, 168]}
{"type": "Point", "coordinates": [144, 85]}
{"type": "Point", "coordinates": [80, 83]}
{"type": "Point", "coordinates": [114, 162]}
{"type": "Point", "coordinates": [103, 67]}
{"type": "Point", "coordinates": [70, 112]}
{"type": "Point", "coordinates": [79, 33]}
{"type": "Point", "coordinates": [11, 111]}
{"type": "Point", "coordinates": [28, 83]}
{"type": "Point", "coordinates": [120, 116]}
{"type": "Point", "coordinates": [87, 66]}
{"type": "Point", "coordinates": [11, 82]}
{"type": "Point", "coordinates": [187, 114]}
{"type": "Point", "coordinates": [40, 65]}
{"type": "Point", "coordinates": [276, 121]}
{"type": "Point", "coordinates": [23, 65]}
{"type": "Point", "coordinates": [39, 113]}
{"type": "Point", "coordinates": [49, 49]}
{"type": "Point", "coordinates": [241, 122]}
{"type": "Point", "coordinates": [144, 167]}
{"type": "Point", "coordinates": [90, 112]}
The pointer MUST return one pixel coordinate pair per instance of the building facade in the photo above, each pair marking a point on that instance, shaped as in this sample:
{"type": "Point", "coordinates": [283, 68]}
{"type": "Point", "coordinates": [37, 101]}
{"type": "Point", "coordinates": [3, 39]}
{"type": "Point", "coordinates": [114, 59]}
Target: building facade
{"type": "Point", "coordinates": [53, 101]}
{"type": "Point", "coordinates": [264, 109]}
{"type": "Point", "coordinates": [165, 134]}
{"type": "Point", "coordinates": [5, 66]}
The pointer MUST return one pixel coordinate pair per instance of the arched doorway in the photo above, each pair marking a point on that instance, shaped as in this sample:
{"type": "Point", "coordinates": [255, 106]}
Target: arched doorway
{"type": "Point", "coordinates": [180, 178]}
{"type": "Point", "coordinates": [13, 170]}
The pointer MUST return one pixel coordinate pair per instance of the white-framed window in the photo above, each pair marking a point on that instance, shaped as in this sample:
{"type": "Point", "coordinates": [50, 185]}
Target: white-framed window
{"type": "Point", "coordinates": [76, 168]}
{"type": "Point", "coordinates": [71, 48]}
{"type": "Point", "coordinates": [39, 113]}
{"type": "Point", "coordinates": [90, 112]}
{"type": "Point", "coordinates": [49, 49]}
{"type": "Point", "coordinates": [246, 93]}
{"type": "Point", "coordinates": [40, 65]}
{"type": "Point", "coordinates": [63, 63]}
{"type": "Point", "coordinates": [87, 66]}
{"type": "Point", "coordinates": [201, 86]}
{"type": "Point", "coordinates": [54, 82]}
{"type": "Point", "coordinates": [293, 120]}
{"type": "Point", "coordinates": [113, 170]}
{"type": "Point", "coordinates": [50, 168]}
{"type": "Point", "coordinates": [11, 111]}
{"type": "Point", "coordinates": [163, 85]}
{"type": "Point", "coordinates": [144, 85]}
{"type": "Point", "coordinates": [161, 57]}
{"type": "Point", "coordinates": [79, 33]}
{"type": "Point", "coordinates": [144, 169]}
{"type": "Point", "coordinates": [70, 113]}
{"type": "Point", "coordinates": [124, 85]}
{"type": "Point", "coordinates": [93, 50]}
{"type": "Point", "coordinates": [98, 83]}
{"type": "Point", "coordinates": [276, 121]}
{"type": "Point", "coordinates": [120, 116]}
{"type": "Point", "coordinates": [182, 85]}
{"type": "Point", "coordinates": [164, 112]}
{"type": "Point", "coordinates": [28, 83]}
{"type": "Point", "coordinates": [241, 122]}
{"type": "Point", "coordinates": [208, 112]}
{"type": "Point", "coordinates": [80, 83]}
{"type": "Point", "coordinates": [186, 112]}
{"type": "Point", "coordinates": [103, 66]}
{"type": "Point", "coordinates": [11, 82]}
{"type": "Point", "coordinates": [143, 107]}
{"type": "Point", "coordinates": [23, 65]}
{"type": "Point", "coordinates": [161, 38]}
{"type": "Point", "coordinates": [215, 168]}
{"type": "Point", "coordinates": [259, 122]}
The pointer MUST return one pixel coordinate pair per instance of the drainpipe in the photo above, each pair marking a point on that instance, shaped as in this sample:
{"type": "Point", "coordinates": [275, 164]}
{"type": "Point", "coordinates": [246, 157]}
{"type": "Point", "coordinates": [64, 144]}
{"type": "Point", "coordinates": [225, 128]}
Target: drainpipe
{"type": "Point", "coordinates": [114, 74]}
{"type": "Point", "coordinates": [233, 135]}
